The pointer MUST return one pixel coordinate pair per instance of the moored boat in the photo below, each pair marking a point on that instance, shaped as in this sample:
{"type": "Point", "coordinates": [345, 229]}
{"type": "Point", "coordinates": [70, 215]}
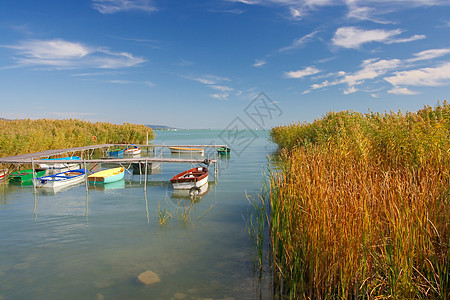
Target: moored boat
{"type": "Point", "coordinates": [190, 179]}
{"type": "Point", "coordinates": [116, 152]}
{"type": "Point", "coordinates": [61, 179]}
{"type": "Point", "coordinates": [192, 194]}
{"type": "Point", "coordinates": [187, 150]}
{"type": "Point", "coordinates": [54, 168]}
{"type": "Point", "coordinates": [223, 150]}
{"type": "Point", "coordinates": [22, 176]}
{"type": "Point", "coordinates": [132, 150]}
{"type": "Point", "coordinates": [3, 174]}
{"type": "Point", "coordinates": [107, 176]}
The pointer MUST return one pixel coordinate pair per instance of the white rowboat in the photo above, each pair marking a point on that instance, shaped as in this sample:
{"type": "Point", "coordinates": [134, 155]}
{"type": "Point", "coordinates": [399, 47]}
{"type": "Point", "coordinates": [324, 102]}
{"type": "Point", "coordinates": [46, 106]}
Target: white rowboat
{"type": "Point", "coordinates": [192, 178]}
{"type": "Point", "coordinates": [61, 179]}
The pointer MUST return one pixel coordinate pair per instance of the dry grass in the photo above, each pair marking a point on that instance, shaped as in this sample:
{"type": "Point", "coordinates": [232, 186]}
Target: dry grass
{"type": "Point", "coordinates": [361, 209]}
{"type": "Point", "coordinates": [28, 136]}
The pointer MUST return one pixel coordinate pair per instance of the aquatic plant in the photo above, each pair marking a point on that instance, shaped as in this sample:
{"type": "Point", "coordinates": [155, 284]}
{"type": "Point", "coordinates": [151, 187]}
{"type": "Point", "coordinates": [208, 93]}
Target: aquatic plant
{"type": "Point", "coordinates": [28, 136]}
{"type": "Point", "coordinates": [361, 206]}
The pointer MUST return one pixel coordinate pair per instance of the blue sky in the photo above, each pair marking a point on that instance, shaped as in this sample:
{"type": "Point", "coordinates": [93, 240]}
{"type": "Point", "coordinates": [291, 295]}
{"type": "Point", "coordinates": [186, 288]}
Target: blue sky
{"type": "Point", "coordinates": [200, 64]}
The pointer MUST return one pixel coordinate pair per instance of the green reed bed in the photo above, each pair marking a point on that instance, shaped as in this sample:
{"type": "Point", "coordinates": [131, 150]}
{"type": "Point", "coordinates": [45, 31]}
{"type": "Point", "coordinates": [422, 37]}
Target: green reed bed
{"type": "Point", "coordinates": [360, 207]}
{"type": "Point", "coordinates": [28, 136]}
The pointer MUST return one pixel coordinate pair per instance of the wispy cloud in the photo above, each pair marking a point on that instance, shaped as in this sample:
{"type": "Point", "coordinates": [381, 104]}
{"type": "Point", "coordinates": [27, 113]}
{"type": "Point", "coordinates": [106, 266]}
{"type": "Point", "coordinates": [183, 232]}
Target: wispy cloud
{"type": "Point", "coordinates": [422, 77]}
{"type": "Point", "coordinates": [353, 37]}
{"type": "Point", "coordinates": [362, 10]}
{"type": "Point", "coordinates": [300, 42]}
{"type": "Point", "coordinates": [308, 71]}
{"type": "Point", "coordinates": [62, 54]}
{"type": "Point", "coordinates": [369, 70]}
{"type": "Point", "coordinates": [430, 54]}
{"type": "Point", "coordinates": [115, 6]}
{"type": "Point", "coordinates": [401, 91]}
{"type": "Point", "coordinates": [127, 82]}
{"type": "Point", "coordinates": [216, 83]}
{"type": "Point", "coordinates": [259, 63]}
{"type": "Point", "coordinates": [374, 69]}
{"type": "Point", "coordinates": [207, 79]}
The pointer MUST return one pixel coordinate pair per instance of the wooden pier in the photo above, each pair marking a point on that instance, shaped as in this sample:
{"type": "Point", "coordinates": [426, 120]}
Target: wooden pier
{"type": "Point", "coordinates": [87, 151]}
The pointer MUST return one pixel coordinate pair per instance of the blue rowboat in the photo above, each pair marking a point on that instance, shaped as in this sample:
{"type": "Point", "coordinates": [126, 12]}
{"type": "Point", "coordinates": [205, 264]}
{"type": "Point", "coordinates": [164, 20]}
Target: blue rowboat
{"type": "Point", "coordinates": [116, 152]}
{"type": "Point", "coordinates": [61, 179]}
{"type": "Point", "coordinates": [60, 167]}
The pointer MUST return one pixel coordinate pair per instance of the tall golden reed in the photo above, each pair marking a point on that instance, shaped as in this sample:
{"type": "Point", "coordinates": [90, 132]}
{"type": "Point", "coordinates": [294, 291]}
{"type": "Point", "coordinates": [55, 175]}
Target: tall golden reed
{"type": "Point", "coordinates": [28, 136]}
{"type": "Point", "coordinates": [360, 207]}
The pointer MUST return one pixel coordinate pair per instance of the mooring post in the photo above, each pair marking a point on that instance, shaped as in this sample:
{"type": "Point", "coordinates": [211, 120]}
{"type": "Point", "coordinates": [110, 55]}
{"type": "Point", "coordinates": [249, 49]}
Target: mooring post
{"type": "Point", "coordinates": [34, 175]}
{"type": "Point", "coordinates": [145, 179]}
{"type": "Point", "coordinates": [86, 184]}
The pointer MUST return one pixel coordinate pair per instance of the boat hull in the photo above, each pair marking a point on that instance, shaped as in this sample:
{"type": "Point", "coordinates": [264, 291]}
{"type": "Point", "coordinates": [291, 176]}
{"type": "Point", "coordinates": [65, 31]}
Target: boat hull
{"type": "Point", "coordinates": [223, 151]}
{"type": "Point", "coordinates": [25, 175]}
{"type": "Point", "coordinates": [3, 174]}
{"type": "Point", "coordinates": [187, 150]}
{"type": "Point", "coordinates": [107, 176]}
{"type": "Point", "coordinates": [190, 179]}
{"type": "Point", "coordinates": [116, 152]}
{"type": "Point", "coordinates": [61, 179]}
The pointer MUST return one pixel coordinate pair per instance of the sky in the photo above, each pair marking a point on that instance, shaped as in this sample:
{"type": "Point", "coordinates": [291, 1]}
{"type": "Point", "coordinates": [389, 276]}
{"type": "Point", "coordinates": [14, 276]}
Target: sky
{"type": "Point", "coordinates": [220, 63]}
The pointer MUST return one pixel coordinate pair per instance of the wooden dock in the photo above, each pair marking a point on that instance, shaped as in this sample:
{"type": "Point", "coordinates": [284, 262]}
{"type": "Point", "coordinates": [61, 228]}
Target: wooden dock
{"type": "Point", "coordinates": [86, 154]}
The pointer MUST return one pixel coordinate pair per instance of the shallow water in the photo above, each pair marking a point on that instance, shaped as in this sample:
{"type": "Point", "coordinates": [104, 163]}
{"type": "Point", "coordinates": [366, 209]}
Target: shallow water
{"type": "Point", "coordinates": [69, 245]}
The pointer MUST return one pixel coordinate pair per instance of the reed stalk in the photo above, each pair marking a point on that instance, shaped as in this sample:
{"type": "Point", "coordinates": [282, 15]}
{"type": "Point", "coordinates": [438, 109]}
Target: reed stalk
{"type": "Point", "coordinates": [361, 206]}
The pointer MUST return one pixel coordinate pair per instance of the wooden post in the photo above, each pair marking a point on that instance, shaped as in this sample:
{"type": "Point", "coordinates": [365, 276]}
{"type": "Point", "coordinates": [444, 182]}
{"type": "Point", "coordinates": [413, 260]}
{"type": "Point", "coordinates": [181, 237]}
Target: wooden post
{"type": "Point", "coordinates": [145, 179]}
{"type": "Point", "coordinates": [86, 184]}
{"type": "Point", "coordinates": [34, 175]}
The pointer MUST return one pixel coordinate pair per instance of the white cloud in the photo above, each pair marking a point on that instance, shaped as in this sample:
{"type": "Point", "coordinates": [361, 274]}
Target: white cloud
{"type": "Point", "coordinates": [59, 53]}
{"type": "Point", "coordinates": [222, 96]}
{"type": "Point", "coordinates": [308, 71]}
{"type": "Point", "coordinates": [350, 90]}
{"type": "Point", "coordinates": [295, 13]}
{"type": "Point", "coordinates": [422, 77]}
{"type": "Point", "coordinates": [300, 42]}
{"type": "Point", "coordinates": [214, 82]}
{"type": "Point", "coordinates": [407, 40]}
{"type": "Point", "coordinates": [259, 63]}
{"type": "Point", "coordinates": [430, 54]}
{"type": "Point", "coordinates": [401, 91]}
{"type": "Point", "coordinates": [222, 88]}
{"type": "Point", "coordinates": [114, 6]}
{"type": "Point", "coordinates": [362, 10]}
{"type": "Point", "coordinates": [126, 82]}
{"type": "Point", "coordinates": [207, 79]}
{"type": "Point", "coordinates": [370, 69]}
{"type": "Point", "coordinates": [352, 37]}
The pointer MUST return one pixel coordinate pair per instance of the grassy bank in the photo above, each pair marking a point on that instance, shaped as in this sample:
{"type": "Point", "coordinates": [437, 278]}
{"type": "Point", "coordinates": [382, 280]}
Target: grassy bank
{"type": "Point", "coordinates": [360, 207]}
{"type": "Point", "coordinates": [28, 136]}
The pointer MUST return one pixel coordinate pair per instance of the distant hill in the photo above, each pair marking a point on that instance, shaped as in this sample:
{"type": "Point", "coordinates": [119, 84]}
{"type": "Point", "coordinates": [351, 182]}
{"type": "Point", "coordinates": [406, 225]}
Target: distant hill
{"type": "Point", "coordinates": [161, 127]}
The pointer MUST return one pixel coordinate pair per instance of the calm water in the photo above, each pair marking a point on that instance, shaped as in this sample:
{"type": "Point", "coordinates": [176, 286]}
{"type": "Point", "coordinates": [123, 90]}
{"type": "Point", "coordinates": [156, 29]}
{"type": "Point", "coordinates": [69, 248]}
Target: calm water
{"type": "Point", "coordinates": [69, 246]}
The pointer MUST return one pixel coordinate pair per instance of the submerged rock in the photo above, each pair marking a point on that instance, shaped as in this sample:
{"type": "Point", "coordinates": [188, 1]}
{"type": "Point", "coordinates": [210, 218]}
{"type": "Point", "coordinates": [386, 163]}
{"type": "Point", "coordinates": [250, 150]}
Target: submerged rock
{"type": "Point", "coordinates": [148, 277]}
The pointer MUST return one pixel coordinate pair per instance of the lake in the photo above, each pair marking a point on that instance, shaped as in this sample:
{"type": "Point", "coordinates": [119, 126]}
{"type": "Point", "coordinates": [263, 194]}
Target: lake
{"type": "Point", "coordinates": [73, 245]}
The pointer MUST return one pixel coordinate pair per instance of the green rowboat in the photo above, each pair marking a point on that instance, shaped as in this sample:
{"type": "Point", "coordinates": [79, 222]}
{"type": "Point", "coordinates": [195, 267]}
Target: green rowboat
{"type": "Point", "coordinates": [25, 175]}
{"type": "Point", "coordinates": [223, 150]}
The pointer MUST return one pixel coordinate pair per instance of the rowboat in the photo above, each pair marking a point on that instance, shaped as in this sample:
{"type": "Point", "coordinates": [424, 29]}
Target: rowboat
{"type": "Point", "coordinates": [108, 175]}
{"type": "Point", "coordinates": [61, 179]}
{"type": "Point", "coordinates": [223, 150]}
{"type": "Point", "coordinates": [25, 175]}
{"type": "Point", "coordinates": [3, 174]}
{"type": "Point", "coordinates": [116, 152]}
{"type": "Point", "coordinates": [191, 179]}
{"type": "Point", "coordinates": [60, 167]}
{"type": "Point", "coordinates": [187, 150]}
{"type": "Point", "coordinates": [132, 150]}
{"type": "Point", "coordinates": [192, 194]}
